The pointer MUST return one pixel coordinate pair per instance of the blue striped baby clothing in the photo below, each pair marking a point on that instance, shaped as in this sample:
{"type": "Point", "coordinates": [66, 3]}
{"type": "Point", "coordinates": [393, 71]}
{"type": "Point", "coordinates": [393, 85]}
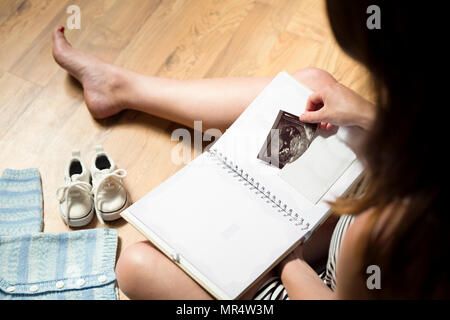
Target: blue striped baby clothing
{"type": "Point", "coordinates": [20, 202]}
{"type": "Point", "coordinates": [36, 265]}
{"type": "Point", "coordinates": [70, 265]}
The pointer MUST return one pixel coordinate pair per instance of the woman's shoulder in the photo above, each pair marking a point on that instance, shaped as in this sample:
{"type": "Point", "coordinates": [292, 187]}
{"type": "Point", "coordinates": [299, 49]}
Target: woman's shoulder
{"type": "Point", "coordinates": [350, 269]}
{"type": "Point", "coordinates": [350, 260]}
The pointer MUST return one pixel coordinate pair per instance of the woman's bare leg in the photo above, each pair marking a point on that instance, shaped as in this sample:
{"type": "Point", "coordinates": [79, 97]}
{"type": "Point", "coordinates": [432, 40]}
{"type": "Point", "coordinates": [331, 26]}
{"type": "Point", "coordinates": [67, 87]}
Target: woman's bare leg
{"type": "Point", "coordinates": [142, 271]}
{"type": "Point", "coordinates": [217, 102]}
{"type": "Point", "coordinates": [145, 273]}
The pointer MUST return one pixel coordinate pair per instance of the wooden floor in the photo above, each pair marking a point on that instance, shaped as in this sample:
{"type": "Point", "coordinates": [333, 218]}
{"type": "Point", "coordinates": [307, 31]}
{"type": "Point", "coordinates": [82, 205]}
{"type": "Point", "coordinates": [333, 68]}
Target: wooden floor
{"type": "Point", "coordinates": [43, 116]}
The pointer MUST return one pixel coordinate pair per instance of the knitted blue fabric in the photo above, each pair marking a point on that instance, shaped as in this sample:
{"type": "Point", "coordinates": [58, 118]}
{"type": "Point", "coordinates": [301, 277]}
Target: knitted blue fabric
{"type": "Point", "coordinates": [20, 202]}
{"type": "Point", "coordinates": [70, 265]}
{"type": "Point", "coordinates": [36, 265]}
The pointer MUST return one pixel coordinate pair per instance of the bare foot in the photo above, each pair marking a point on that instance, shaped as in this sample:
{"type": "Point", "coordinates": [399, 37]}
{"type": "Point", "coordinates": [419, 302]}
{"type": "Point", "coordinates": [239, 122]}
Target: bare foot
{"type": "Point", "coordinates": [102, 82]}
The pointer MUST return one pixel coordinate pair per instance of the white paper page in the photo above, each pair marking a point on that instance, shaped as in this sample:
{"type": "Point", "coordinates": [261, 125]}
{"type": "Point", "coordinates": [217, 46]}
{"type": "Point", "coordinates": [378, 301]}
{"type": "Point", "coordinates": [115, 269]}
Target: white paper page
{"type": "Point", "coordinates": [217, 224]}
{"type": "Point", "coordinates": [214, 221]}
{"type": "Point", "coordinates": [242, 142]}
{"type": "Point", "coordinates": [319, 167]}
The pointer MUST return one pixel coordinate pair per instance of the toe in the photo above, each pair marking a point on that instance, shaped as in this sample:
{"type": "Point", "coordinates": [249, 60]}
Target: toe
{"type": "Point", "coordinates": [60, 44]}
{"type": "Point", "coordinates": [63, 53]}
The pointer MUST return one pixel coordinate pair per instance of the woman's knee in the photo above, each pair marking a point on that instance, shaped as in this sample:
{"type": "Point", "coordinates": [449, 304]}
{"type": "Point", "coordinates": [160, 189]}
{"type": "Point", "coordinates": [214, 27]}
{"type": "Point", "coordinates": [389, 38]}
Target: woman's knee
{"type": "Point", "coordinates": [314, 78]}
{"type": "Point", "coordinates": [134, 267]}
{"type": "Point", "coordinates": [143, 272]}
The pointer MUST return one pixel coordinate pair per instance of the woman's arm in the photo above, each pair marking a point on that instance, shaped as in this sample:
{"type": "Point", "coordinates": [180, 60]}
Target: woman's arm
{"type": "Point", "coordinates": [328, 106]}
{"type": "Point", "coordinates": [301, 281]}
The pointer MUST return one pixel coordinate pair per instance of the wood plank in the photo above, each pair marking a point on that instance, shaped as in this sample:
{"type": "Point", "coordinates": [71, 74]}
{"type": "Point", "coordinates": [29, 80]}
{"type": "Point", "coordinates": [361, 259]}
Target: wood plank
{"type": "Point", "coordinates": [288, 53]}
{"type": "Point", "coordinates": [310, 20]}
{"type": "Point", "coordinates": [8, 7]}
{"type": "Point", "coordinates": [253, 40]}
{"type": "Point", "coordinates": [105, 35]}
{"type": "Point", "coordinates": [207, 38]}
{"type": "Point", "coordinates": [16, 95]}
{"type": "Point", "coordinates": [23, 26]}
{"type": "Point", "coordinates": [171, 24]}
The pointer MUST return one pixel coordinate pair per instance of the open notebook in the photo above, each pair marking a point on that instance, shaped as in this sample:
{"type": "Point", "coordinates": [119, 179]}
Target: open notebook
{"type": "Point", "coordinates": [227, 217]}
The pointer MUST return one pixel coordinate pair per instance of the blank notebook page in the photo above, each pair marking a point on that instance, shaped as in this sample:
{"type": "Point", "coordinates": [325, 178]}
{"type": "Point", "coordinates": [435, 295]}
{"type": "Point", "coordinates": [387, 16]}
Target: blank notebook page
{"type": "Point", "coordinates": [217, 224]}
{"type": "Point", "coordinates": [310, 177]}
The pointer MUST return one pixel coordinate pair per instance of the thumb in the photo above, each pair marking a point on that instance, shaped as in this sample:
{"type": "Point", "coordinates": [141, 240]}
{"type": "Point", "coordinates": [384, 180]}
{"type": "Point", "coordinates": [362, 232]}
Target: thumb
{"type": "Point", "coordinates": [313, 116]}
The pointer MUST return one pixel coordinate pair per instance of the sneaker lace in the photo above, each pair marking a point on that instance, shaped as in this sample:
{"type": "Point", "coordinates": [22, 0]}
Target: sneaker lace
{"type": "Point", "coordinates": [62, 194]}
{"type": "Point", "coordinates": [107, 181]}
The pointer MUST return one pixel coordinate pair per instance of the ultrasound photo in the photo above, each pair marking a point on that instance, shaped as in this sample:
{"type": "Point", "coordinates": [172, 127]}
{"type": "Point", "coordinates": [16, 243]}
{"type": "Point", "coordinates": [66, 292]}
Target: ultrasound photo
{"type": "Point", "coordinates": [288, 139]}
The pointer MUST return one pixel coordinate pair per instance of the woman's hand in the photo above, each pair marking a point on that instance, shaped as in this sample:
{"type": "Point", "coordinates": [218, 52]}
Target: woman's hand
{"type": "Point", "coordinates": [338, 105]}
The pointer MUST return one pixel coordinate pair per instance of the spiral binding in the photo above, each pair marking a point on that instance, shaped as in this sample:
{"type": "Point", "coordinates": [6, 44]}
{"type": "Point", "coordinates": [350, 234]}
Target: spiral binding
{"type": "Point", "coordinates": [254, 185]}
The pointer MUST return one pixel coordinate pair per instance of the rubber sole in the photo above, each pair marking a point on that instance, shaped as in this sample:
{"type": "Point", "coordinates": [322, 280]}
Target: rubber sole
{"type": "Point", "coordinates": [83, 221]}
{"type": "Point", "coordinates": [112, 216]}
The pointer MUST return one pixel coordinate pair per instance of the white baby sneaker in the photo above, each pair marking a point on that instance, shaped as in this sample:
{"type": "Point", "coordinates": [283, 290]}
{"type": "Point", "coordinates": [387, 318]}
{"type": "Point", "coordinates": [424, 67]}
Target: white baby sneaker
{"type": "Point", "coordinates": [76, 204]}
{"type": "Point", "coordinates": [110, 196]}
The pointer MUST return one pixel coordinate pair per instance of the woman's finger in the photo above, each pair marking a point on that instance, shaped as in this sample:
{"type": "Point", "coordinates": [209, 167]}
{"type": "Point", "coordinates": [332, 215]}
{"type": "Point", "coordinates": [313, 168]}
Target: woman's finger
{"type": "Point", "coordinates": [313, 116]}
{"type": "Point", "coordinates": [315, 102]}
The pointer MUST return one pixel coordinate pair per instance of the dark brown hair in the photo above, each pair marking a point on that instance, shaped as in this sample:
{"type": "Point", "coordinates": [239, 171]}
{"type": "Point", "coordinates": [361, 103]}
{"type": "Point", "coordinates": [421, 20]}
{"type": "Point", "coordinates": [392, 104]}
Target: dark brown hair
{"type": "Point", "coordinates": [403, 151]}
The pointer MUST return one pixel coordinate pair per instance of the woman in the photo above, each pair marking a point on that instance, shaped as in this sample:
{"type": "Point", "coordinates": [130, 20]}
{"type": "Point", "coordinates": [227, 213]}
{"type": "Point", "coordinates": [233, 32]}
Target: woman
{"type": "Point", "coordinates": [397, 224]}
